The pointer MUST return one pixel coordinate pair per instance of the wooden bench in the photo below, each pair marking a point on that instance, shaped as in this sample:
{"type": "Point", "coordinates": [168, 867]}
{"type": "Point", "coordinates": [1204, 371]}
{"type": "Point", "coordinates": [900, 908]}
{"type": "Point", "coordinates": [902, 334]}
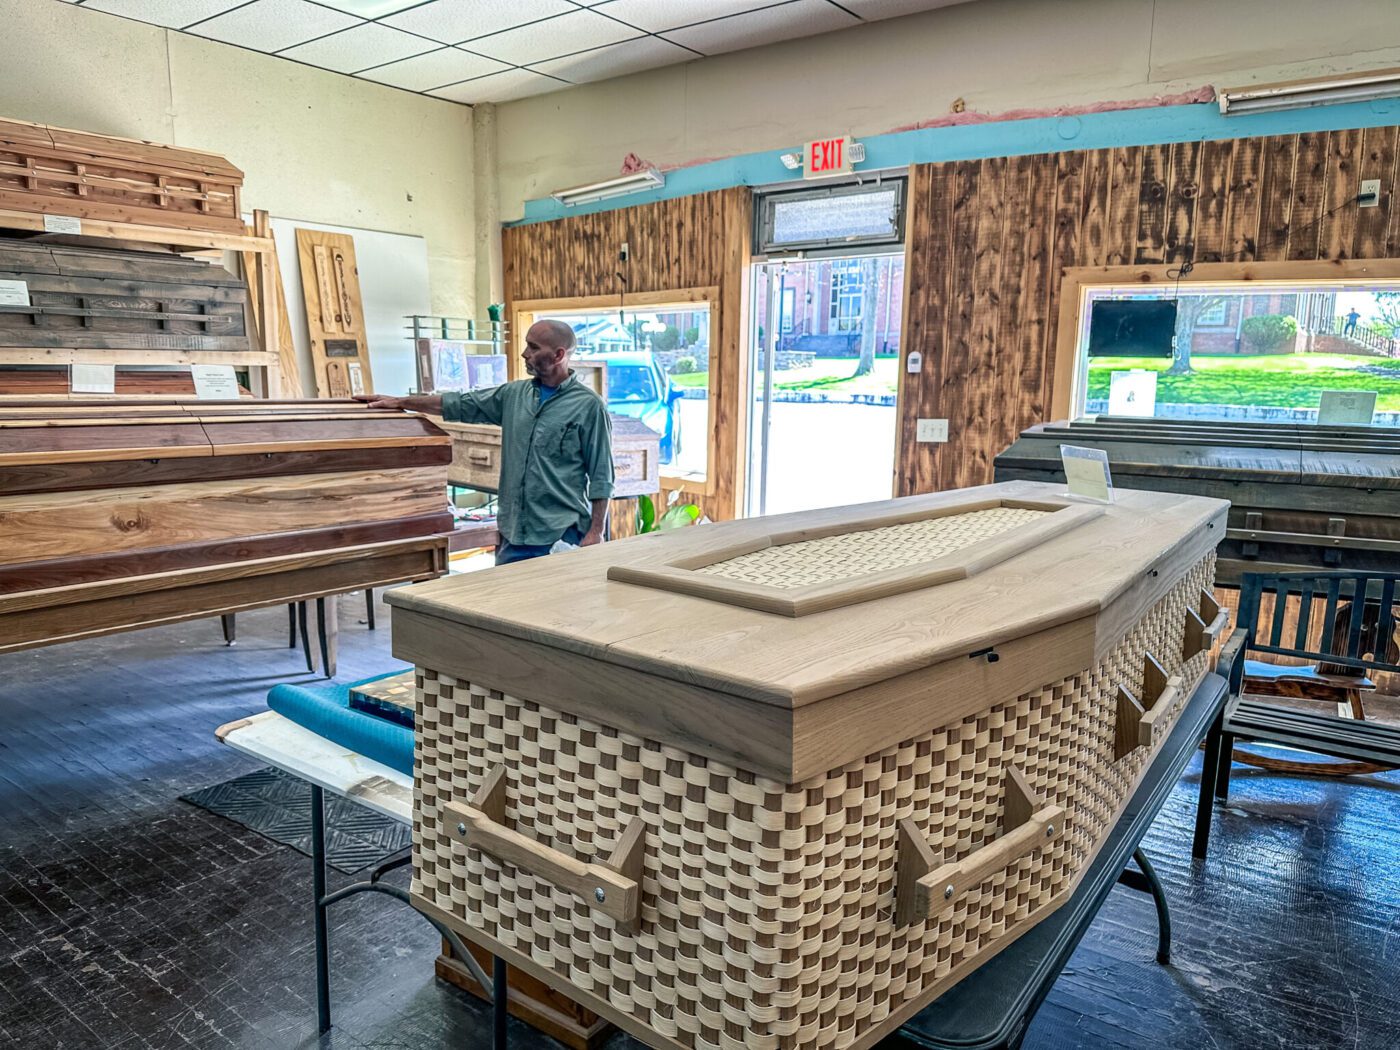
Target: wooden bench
{"type": "Point", "coordinates": [1342, 630]}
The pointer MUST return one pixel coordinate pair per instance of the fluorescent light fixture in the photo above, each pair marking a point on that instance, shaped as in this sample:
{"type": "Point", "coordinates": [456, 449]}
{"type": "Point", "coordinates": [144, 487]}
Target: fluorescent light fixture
{"type": "Point", "coordinates": [646, 179]}
{"type": "Point", "coordinates": [791, 161]}
{"type": "Point", "coordinates": [1300, 94]}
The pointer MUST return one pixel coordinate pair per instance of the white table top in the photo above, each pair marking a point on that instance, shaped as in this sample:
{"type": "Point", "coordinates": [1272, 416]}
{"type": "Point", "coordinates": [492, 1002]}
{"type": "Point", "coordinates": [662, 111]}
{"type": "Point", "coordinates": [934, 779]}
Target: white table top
{"type": "Point", "coordinates": [280, 742]}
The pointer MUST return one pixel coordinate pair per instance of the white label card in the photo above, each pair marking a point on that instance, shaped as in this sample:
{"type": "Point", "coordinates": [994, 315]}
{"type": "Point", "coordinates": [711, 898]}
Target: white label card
{"type": "Point", "coordinates": [1132, 393]}
{"type": "Point", "coordinates": [62, 224]}
{"type": "Point", "coordinates": [14, 293]}
{"type": "Point", "coordinates": [93, 379]}
{"type": "Point", "coordinates": [1086, 471]}
{"type": "Point", "coordinates": [214, 382]}
{"type": "Point", "coordinates": [1346, 408]}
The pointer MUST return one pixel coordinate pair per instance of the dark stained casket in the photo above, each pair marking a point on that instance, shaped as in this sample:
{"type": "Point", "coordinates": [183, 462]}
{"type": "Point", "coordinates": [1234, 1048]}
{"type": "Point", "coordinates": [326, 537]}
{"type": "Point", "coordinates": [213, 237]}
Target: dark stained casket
{"type": "Point", "coordinates": [123, 514]}
{"type": "Point", "coordinates": [1301, 496]}
{"type": "Point", "coordinates": [775, 784]}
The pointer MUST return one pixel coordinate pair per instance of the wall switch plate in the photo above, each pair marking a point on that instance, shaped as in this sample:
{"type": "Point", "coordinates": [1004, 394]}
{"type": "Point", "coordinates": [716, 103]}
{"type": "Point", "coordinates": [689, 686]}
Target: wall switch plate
{"type": "Point", "coordinates": [932, 430]}
{"type": "Point", "coordinates": [1371, 187]}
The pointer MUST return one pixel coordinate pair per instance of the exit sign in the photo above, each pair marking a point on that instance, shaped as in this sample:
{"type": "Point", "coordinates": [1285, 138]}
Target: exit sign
{"type": "Point", "coordinates": [831, 157]}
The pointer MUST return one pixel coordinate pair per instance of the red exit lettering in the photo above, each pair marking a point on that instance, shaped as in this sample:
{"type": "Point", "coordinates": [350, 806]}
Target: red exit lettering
{"type": "Point", "coordinates": [826, 156]}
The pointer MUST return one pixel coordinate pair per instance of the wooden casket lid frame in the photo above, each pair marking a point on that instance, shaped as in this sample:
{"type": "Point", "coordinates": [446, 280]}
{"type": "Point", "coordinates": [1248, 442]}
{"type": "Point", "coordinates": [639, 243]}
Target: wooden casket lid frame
{"type": "Point", "coordinates": [790, 681]}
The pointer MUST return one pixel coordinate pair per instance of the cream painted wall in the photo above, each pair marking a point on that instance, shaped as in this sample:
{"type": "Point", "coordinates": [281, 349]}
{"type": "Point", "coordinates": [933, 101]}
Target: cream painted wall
{"type": "Point", "coordinates": [995, 54]}
{"type": "Point", "coordinates": [314, 145]}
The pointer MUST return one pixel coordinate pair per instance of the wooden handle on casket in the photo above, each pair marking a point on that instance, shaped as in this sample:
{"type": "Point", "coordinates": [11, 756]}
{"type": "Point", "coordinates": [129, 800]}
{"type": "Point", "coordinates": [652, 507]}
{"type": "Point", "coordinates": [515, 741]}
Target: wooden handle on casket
{"type": "Point", "coordinates": [925, 889]}
{"type": "Point", "coordinates": [614, 887]}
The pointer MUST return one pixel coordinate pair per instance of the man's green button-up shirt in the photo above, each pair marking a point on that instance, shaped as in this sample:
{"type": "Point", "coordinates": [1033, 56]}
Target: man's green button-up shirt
{"type": "Point", "coordinates": [556, 456]}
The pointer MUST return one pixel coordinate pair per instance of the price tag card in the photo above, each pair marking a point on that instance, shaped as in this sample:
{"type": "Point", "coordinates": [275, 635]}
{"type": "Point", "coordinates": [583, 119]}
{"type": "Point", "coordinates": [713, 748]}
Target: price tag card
{"type": "Point", "coordinates": [62, 224]}
{"type": "Point", "coordinates": [14, 293]}
{"type": "Point", "coordinates": [1086, 471]}
{"type": "Point", "coordinates": [93, 379]}
{"type": "Point", "coordinates": [1346, 408]}
{"type": "Point", "coordinates": [1132, 393]}
{"type": "Point", "coordinates": [214, 382]}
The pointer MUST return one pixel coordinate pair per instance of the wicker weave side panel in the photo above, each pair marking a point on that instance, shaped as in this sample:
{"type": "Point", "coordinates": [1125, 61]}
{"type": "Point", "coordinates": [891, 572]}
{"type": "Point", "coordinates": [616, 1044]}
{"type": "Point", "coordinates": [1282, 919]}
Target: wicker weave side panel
{"type": "Point", "coordinates": [767, 908]}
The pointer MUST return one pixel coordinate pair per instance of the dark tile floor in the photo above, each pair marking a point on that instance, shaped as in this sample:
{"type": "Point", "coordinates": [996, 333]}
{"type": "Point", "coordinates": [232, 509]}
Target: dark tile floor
{"type": "Point", "coordinates": [131, 920]}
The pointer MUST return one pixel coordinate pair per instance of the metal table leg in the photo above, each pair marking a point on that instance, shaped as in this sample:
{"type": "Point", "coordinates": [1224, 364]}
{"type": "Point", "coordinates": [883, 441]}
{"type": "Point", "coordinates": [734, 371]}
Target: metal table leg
{"type": "Point", "coordinates": [496, 987]}
{"type": "Point", "coordinates": [305, 636]}
{"type": "Point", "coordinates": [1145, 880]}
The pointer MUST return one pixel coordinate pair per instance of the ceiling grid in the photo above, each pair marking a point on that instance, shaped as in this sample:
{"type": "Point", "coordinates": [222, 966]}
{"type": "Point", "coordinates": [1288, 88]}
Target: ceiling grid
{"type": "Point", "coordinates": [472, 51]}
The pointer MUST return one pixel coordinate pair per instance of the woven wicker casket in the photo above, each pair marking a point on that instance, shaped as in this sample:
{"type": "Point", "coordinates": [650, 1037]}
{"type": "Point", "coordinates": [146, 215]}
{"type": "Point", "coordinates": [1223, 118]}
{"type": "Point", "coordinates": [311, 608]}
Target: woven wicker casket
{"type": "Point", "coordinates": [778, 783]}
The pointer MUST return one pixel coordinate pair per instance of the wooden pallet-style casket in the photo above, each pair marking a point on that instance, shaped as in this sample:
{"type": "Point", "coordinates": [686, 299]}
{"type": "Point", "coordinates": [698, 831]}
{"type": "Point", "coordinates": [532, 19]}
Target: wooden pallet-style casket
{"type": "Point", "coordinates": [778, 783]}
{"type": "Point", "coordinates": [117, 515]}
{"type": "Point", "coordinates": [96, 299]}
{"type": "Point", "coordinates": [45, 170]}
{"type": "Point", "coordinates": [1301, 496]}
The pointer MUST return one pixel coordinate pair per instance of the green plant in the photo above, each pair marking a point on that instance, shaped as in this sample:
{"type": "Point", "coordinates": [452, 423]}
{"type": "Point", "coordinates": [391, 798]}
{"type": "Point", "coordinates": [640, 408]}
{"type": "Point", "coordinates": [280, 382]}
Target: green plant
{"type": "Point", "coordinates": [677, 515]}
{"type": "Point", "coordinates": [670, 339]}
{"type": "Point", "coordinates": [1267, 331]}
{"type": "Point", "coordinates": [685, 365]}
{"type": "Point", "coordinates": [692, 335]}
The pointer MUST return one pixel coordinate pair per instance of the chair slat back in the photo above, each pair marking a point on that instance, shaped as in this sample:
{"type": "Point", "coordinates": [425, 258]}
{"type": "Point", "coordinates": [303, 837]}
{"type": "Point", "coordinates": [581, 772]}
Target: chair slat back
{"type": "Point", "coordinates": [1357, 635]}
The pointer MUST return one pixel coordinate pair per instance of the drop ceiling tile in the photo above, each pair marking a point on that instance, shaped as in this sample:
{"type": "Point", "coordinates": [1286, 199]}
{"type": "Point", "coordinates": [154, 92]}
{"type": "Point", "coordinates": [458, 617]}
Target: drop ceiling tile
{"type": "Point", "coordinates": [453, 21]}
{"type": "Point", "coordinates": [447, 65]}
{"type": "Point", "coordinates": [615, 60]}
{"type": "Point", "coordinates": [370, 8]}
{"type": "Point", "coordinates": [874, 10]}
{"type": "Point", "coordinates": [271, 25]}
{"type": "Point", "coordinates": [173, 13]}
{"type": "Point", "coordinates": [360, 47]}
{"type": "Point", "coordinates": [787, 21]}
{"type": "Point", "coordinates": [541, 41]}
{"type": "Point", "coordinates": [657, 15]}
{"type": "Point", "coordinates": [500, 87]}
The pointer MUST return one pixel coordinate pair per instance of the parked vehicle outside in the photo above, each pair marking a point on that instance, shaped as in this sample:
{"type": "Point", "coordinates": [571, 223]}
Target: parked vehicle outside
{"type": "Point", "coordinates": [637, 387]}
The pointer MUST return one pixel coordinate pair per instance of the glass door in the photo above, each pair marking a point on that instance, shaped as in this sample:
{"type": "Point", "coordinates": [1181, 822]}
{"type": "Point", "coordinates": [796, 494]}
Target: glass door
{"type": "Point", "coordinates": [824, 381]}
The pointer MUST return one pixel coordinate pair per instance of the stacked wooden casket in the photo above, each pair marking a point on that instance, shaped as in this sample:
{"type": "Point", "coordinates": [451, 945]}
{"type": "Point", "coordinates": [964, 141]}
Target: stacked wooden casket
{"type": "Point", "coordinates": [778, 783]}
{"type": "Point", "coordinates": [1301, 496]}
{"type": "Point", "coordinates": [116, 515]}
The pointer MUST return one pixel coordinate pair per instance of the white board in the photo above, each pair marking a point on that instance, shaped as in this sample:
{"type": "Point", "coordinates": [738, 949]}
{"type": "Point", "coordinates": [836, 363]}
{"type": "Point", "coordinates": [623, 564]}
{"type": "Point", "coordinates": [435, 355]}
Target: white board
{"type": "Point", "coordinates": [393, 270]}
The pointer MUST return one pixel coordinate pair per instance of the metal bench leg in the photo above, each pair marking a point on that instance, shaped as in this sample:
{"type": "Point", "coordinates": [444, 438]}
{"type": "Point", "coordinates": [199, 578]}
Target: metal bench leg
{"type": "Point", "coordinates": [1227, 758]}
{"type": "Point", "coordinates": [305, 636]}
{"type": "Point", "coordinates": [230, 626]}
{"type": "Point", "coordinates": [328, 632]}
{"type": "Point", "coordinates": [1159, 898]}
{"type": "Point", "coordinates": [1205, 802]}
{"type": "Point", "coordinates": [498, 1004]}
{"type": "Point", "coordinates": [369, 607]}
{"type": "Point", "coordinates": [318, 888]}
{"type": "Point", "coordinates": [291, 625]}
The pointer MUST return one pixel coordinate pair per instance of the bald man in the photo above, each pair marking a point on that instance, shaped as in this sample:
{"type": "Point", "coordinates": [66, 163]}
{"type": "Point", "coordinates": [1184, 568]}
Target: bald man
{"type": "Point", "coordinates": [556, 446]}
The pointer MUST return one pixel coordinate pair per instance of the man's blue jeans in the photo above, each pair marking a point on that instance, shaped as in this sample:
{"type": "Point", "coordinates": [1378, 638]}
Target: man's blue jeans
{"type": "Point", "coordinates": [511, 552]}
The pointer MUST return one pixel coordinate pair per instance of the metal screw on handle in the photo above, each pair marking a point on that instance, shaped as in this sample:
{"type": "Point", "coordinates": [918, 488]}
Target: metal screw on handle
{"type": "Point", "coordinates": [599, 895]}
{"type": "Point", "coordinates": [461, 829]}
{"type": "Point", "coordinates": [947, 892]}
{"type": "Point", "coordinates": [1049, 831]}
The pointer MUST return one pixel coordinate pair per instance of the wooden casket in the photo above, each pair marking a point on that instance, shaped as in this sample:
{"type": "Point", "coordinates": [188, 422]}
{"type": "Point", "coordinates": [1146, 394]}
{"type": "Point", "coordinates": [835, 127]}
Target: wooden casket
{"type": "Point", "coordinates": [778, 783]}
{"type": "Point", "coordinates": [116, 515]}
{"type": "Point", "coordinates": [46, 170]}
{"type": "Point", "coordinates": [1301, 496]}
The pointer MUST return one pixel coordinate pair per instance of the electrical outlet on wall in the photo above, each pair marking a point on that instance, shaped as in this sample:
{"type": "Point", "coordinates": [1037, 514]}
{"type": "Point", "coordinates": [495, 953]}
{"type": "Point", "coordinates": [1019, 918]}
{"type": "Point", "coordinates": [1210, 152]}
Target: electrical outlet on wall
{"type": "Point", "coordinates": [1370, 193]}
{"type": "Point", "coordinates": [932, 430]}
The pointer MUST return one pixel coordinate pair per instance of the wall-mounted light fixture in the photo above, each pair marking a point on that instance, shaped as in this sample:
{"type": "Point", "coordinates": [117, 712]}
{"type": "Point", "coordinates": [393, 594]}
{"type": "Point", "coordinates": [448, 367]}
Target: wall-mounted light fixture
{"type": "Point", "coordinates": [636, 182]}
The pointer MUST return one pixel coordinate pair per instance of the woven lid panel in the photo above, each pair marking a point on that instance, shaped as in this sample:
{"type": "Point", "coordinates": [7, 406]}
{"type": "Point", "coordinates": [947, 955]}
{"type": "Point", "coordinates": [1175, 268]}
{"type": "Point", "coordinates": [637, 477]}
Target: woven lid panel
{"type": "Point", "coordinates": [854, 554]}
{"type": "Point", "coordinates": [767, 907]}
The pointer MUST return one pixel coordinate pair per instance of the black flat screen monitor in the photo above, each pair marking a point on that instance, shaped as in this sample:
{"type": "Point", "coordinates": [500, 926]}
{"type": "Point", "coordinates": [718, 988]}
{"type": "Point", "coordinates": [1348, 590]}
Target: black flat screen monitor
{"type": "Point", "coordinates": [1132, 328]}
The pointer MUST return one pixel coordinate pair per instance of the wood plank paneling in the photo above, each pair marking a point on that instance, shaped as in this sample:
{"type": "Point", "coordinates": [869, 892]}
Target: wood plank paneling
{"type": "Point", "coordinates": [1272, 199]}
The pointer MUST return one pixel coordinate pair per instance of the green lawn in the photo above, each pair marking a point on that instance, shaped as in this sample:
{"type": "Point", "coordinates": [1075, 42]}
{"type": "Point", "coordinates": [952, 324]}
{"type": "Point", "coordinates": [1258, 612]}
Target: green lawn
{"type": "Point", "coordinates": [826, 374]}
{"type": "Point", "coordinates": [1286, 380]}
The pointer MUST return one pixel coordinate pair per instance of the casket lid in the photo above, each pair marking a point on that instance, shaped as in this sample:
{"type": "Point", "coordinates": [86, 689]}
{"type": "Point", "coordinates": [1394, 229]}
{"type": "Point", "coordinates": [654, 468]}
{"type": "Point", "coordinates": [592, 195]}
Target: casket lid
{"type": "Point", "coordinates": [682, 605]}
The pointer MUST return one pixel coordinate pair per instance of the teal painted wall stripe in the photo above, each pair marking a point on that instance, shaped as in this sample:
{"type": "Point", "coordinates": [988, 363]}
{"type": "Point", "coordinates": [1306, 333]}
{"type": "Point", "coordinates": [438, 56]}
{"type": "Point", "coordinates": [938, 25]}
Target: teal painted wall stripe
{"type": "Point", "coordinates": [1009, 138]}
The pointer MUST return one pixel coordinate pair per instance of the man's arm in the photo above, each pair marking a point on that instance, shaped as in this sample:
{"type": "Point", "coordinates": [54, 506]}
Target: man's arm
{"type": "Point", "coordinates": [595, 525]}
{"type": "Point", "coordinates": [474, 406]}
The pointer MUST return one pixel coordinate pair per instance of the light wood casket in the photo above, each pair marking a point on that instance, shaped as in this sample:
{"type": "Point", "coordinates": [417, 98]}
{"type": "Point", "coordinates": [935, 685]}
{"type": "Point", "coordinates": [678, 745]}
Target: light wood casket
{"type": "Point", "coordinates": [116, 515]}
{"type": "Point", "coordinates": [778, 783]}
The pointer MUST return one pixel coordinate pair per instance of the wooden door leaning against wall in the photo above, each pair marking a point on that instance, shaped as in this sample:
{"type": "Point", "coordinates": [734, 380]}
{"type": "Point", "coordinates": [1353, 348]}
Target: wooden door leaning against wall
{"type": "Point", "coordinates": [335, 317]}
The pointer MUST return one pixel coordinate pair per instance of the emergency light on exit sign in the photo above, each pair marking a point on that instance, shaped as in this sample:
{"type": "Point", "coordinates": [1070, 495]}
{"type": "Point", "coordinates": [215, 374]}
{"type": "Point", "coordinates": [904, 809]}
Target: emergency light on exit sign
{"type": "Point", "coordinates": [831, 157]}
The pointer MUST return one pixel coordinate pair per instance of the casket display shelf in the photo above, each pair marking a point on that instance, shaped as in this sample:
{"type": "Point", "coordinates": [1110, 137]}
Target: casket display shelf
{"type": "Point", "coordinates": [778, 783]}
{"type": "Point", "coordinates": [123, 514]}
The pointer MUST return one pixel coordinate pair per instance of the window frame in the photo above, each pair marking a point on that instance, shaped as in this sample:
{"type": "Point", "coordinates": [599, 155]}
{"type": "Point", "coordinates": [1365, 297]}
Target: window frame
{"type": "Point", "coordinates": [766, 203]}
{"type": "Point", "coordinates": [525, 312]}
{"type": "Point", "coordinates": [1069, 361]}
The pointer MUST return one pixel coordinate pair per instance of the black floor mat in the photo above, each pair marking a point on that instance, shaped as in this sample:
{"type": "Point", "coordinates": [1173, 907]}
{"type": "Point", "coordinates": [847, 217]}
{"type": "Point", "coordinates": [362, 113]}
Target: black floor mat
{"type": "Point", "coordinates": [278, 805]}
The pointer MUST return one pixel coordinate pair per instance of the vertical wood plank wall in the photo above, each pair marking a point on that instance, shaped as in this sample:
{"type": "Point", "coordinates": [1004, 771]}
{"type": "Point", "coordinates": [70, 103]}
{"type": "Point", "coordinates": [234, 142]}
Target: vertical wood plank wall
{"type": "Point", "coordinates": [689, 242]}
{"type": "Point", "coordinates": [989, 238]}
